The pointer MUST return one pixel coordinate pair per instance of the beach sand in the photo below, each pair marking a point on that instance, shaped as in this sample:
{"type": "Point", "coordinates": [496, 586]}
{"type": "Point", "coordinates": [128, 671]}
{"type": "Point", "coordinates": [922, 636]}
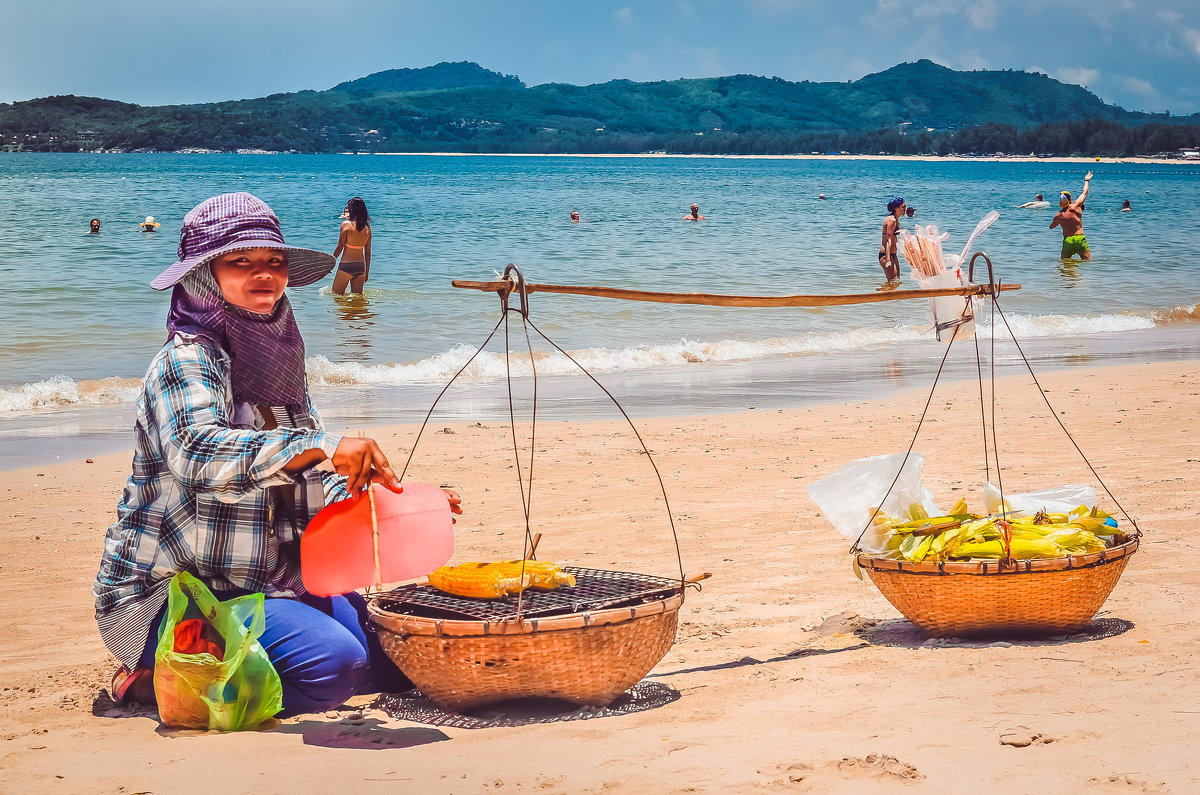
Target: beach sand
{"type": "Point", "coordinates": [788, 672]}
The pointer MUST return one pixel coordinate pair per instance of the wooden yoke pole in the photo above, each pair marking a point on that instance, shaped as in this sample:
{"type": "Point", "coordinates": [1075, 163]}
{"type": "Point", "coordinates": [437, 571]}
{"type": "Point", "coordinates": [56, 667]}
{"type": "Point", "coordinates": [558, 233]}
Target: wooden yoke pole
{"type": "Point", "coordinates": [709, 299]}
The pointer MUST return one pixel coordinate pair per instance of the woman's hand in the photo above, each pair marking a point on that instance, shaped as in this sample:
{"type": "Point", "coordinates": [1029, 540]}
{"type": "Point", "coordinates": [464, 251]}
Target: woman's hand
{"type": "Point", "coordinates": [455, 500]}
{"type": "Point", "coordinates": [361, 461]}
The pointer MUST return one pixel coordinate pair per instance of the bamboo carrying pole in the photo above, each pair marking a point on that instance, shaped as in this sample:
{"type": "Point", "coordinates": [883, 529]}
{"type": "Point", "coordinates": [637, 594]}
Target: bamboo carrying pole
{"type": "Point", "coordinates": [709, 299]}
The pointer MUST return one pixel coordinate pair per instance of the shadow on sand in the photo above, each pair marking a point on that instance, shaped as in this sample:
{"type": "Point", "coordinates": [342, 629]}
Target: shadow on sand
{"type": "Point", "coordinates": [416, 708]}
{"type": "Point", "coordinates": [898, 632]}
{"type": "Point", "coordinates": [370, 735]}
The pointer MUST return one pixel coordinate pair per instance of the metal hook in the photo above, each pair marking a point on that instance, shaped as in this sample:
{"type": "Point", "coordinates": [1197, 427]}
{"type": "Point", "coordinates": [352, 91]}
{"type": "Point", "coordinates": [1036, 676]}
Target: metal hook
{"type": "Point", "coordinates": [513, 274]}
{"type": "Point", "coordinates": [991, 276]}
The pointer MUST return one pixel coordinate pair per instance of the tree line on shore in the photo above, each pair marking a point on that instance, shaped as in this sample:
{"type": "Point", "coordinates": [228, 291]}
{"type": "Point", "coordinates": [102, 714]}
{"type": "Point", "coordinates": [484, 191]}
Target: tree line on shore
{"type": "Point", "coordinates": [918, 108]}
{"type": "Point", "coordinates": [1089, 137]}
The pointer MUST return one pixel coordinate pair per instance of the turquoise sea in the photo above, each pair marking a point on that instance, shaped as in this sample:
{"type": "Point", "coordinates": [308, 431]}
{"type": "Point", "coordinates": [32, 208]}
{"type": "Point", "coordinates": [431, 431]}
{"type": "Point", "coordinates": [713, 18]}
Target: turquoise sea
{"type": "Point", "coordinates": [79, 323]}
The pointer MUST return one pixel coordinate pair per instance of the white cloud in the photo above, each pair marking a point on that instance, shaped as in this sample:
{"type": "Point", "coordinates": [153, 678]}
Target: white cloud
{"type": "Point", "coordinates": [971, 59]}
{"type": "Point", "coordinates": [1078, 75]}
{"type": "Point", "coordinates": [982, 15]}
{"type": "Point", "coordinates": [624, 15]}
{"type": "Point", "coordinates": [1142, 88]}
{"type": "Point", "coordinates": [1192, 37]}
{"type": "Point", "coordinates": [686, 11]}
{"type": "Point", "coordinates": [1166, 48]}
{"type": "Point", "coordinates": [1168, 17]}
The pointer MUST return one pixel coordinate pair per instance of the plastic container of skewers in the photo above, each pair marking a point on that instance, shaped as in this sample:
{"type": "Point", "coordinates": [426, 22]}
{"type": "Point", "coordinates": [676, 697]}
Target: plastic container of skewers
{"type": "Point", "coordinates": [953, 315]}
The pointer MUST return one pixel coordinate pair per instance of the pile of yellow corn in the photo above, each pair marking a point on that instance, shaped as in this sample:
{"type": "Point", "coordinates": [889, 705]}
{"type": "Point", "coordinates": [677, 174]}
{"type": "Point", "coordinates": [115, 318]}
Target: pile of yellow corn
{"type": "Point", "coordinates": [494, 580]}
{"type": "Point", "coordinates": [961, 535]}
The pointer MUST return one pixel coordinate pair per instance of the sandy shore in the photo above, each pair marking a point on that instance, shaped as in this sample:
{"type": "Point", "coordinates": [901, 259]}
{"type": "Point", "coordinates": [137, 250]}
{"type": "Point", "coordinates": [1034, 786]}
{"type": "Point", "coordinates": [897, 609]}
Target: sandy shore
{"type": "Point", "coordinates": [788, 672]}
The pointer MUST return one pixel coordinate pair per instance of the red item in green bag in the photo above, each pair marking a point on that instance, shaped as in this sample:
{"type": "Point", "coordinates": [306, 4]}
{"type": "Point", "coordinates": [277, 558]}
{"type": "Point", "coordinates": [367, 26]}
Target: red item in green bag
{"type": "Point", "coordinates": [193, 636]}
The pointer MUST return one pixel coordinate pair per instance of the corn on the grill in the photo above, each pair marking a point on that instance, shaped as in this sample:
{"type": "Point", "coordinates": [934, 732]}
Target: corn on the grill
{"type": "Point", "coordinates": [543, 575]}
{"type": "Point", "coordinates": [498, 579]}
{"type": "Point", "coordinates": [478, 580]}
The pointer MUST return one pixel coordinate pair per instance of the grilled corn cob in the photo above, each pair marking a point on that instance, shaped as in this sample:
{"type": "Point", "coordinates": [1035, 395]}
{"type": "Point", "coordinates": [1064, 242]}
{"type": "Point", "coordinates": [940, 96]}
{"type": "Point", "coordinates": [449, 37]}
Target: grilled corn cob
{"type": "Point", "coordinates": [498, 579]}
{"type": "Point", "coordinates": [478, 580]}
{"type": "Point", "coordinates": [542, 575]}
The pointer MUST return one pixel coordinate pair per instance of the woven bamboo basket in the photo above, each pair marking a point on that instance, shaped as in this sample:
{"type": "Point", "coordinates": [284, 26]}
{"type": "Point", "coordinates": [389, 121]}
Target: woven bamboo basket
{"type": "Point", "coordinates": [584, 658]}
{"type": "Point", "coordinates": [1052, 596]}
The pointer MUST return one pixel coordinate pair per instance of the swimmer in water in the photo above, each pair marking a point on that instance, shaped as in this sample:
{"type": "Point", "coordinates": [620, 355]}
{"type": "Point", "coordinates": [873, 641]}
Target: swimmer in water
{"type": "Point", "coordinates": [149, 225]}
{"type": "Point", "coordinates": [694, 215]}
{"type": "Point", "coordinates": [94, 226]}
{"type": "Point", "coordinates": [574, 216]}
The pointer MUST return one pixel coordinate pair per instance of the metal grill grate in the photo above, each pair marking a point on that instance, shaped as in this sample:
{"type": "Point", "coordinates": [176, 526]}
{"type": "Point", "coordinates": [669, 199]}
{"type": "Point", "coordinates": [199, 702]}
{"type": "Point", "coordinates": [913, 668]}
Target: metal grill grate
{"type": "Point", "coordinates": [594, 589]}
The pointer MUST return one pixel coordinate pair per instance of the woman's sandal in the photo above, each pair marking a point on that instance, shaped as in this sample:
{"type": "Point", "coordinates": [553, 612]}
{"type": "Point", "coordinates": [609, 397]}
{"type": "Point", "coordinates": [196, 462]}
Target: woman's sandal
{"type": "Point", "coordinates": [129, 686]}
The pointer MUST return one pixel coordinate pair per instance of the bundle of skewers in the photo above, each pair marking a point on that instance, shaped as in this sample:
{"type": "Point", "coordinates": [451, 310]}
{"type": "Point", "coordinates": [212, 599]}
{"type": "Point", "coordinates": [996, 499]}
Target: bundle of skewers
{"type": "Point", "coordinates": [922, 248]}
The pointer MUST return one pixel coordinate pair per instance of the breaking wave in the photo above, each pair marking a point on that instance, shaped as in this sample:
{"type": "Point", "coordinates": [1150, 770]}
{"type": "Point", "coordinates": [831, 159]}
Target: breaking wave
{"type": "Point", "coordinates": [61, 391]}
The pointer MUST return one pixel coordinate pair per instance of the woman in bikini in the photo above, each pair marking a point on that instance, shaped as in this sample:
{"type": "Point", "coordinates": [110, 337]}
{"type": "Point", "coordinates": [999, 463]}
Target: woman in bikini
{"type": "Point", "coordinates": [354, 247]}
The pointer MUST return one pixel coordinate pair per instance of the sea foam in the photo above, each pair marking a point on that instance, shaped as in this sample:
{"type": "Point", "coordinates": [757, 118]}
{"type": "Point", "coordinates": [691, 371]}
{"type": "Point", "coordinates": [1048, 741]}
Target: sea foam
{"type": "Point", "coordinates": [61, 391]}
{"type": "Point", "coordinates": [488, 365]}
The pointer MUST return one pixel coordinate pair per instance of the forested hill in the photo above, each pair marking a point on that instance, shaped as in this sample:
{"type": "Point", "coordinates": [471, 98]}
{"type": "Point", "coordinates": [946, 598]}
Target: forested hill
{"type": "Point", "coordinates": [911, 108]}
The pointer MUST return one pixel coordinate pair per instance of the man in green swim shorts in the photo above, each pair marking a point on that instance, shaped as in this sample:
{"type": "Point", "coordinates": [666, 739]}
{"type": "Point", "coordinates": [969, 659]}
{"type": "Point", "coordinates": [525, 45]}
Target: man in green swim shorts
{"type": "Point", "coordinates": [1070, 218]}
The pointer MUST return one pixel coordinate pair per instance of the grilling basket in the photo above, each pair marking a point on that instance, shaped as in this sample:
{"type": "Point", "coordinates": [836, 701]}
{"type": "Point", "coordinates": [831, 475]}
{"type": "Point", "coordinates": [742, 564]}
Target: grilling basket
{"type": "Point", "coordinates": [586, 642]}
{"type": "Point", "coordinates": [1030, 564]}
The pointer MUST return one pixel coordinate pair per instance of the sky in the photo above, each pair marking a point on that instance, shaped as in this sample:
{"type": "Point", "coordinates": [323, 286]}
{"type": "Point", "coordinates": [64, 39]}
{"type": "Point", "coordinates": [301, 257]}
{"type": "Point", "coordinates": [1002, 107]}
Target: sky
{"type": "Point", "coordinates": [1142, 55]}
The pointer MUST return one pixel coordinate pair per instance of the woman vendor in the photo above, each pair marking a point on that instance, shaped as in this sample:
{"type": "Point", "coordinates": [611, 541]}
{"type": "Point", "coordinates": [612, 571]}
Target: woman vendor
{"type": "Point", "coordinates": [231, 462]}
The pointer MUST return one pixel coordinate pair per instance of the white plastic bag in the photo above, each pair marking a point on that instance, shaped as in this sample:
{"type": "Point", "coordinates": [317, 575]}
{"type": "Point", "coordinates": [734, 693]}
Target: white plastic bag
{"type": "Point", "coordinates": [849, 496]}
{"type": "Point", "coordinates": [1061, 499]}
{"type": "Point", "coordinates": [950, 311]}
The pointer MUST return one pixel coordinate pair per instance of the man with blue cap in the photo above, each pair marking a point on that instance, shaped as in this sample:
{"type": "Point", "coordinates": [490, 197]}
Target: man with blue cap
{"type": "Point", "coordinates": [1070, 218]}
{"type": "Point", "coordinates": [888, 258]}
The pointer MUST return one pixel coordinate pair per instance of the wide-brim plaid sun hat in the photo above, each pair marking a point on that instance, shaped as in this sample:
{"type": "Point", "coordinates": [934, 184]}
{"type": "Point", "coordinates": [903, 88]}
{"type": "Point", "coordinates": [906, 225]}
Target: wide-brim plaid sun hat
{"type": "Point", "coordinates": [234, 222]}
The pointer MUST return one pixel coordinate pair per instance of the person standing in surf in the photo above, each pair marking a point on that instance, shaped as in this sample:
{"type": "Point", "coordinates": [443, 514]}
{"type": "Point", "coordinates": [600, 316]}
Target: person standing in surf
{"type": "Point", "coordinates": [1070, 218]}
{"type": "Point", "coordinates": [354, 244]}
{"type": "Point", "coordinates": [889, 258]}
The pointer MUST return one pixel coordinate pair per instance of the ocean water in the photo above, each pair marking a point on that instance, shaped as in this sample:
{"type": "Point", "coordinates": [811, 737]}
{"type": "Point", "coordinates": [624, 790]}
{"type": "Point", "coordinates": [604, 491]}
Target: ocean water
{"type": "Point", "coordinates": [79, 323]}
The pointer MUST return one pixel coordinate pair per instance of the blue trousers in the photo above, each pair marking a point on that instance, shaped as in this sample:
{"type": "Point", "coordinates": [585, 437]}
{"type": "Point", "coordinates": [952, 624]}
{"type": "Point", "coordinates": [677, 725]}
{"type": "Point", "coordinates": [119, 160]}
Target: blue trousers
{"type": "Point", "coordinates": [323, 648]}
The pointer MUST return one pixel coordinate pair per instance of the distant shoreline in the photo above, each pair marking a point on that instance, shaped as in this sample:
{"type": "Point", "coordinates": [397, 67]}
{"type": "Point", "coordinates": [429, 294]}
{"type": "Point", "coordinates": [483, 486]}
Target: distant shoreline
{"type": "Point", "coordinates": [910, 158]}
{"type": "Point", "coordinates": [661, 155]}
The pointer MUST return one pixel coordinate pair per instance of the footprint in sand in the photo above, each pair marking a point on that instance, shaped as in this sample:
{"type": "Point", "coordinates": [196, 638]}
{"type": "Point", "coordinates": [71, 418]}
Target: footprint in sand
{"type": "Point", "coordinates": [1126, 782]}
{"type": "Point", "coordinates": [1023, 737]}
{"type": "Point", "coordinates": [849, 768]}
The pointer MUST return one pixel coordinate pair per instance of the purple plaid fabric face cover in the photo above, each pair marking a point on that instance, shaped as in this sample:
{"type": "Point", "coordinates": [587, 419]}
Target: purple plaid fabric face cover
{"type": "Point", "coordinates": [267, 351]}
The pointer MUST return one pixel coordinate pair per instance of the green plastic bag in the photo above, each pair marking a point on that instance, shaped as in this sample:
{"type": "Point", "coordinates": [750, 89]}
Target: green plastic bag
{"type": "Point", "coordinates": [198, 691]}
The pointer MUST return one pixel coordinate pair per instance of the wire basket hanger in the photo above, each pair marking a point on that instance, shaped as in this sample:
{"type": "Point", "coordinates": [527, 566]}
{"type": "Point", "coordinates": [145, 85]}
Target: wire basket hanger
{"type": "Point", "coordinates": [993, 291]}
{"type": "Point", "coordinates": [514, 284]}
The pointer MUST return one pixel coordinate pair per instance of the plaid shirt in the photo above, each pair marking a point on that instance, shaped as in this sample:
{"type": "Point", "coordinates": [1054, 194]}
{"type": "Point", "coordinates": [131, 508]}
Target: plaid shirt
{"type": "Point", "coordinates": [197, 499]}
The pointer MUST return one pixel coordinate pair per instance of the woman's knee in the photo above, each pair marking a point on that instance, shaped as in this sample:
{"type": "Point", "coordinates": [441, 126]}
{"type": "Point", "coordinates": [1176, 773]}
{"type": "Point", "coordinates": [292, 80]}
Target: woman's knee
{"type": "Point", "coordinates": [320, 662]}
{"type": "Point", "coordinates": [326, 680]}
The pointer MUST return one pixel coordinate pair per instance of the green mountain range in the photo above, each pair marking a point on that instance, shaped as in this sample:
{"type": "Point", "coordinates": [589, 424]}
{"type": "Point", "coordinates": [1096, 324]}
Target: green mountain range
{"type": "Point", "coordinates": [462, 107]}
